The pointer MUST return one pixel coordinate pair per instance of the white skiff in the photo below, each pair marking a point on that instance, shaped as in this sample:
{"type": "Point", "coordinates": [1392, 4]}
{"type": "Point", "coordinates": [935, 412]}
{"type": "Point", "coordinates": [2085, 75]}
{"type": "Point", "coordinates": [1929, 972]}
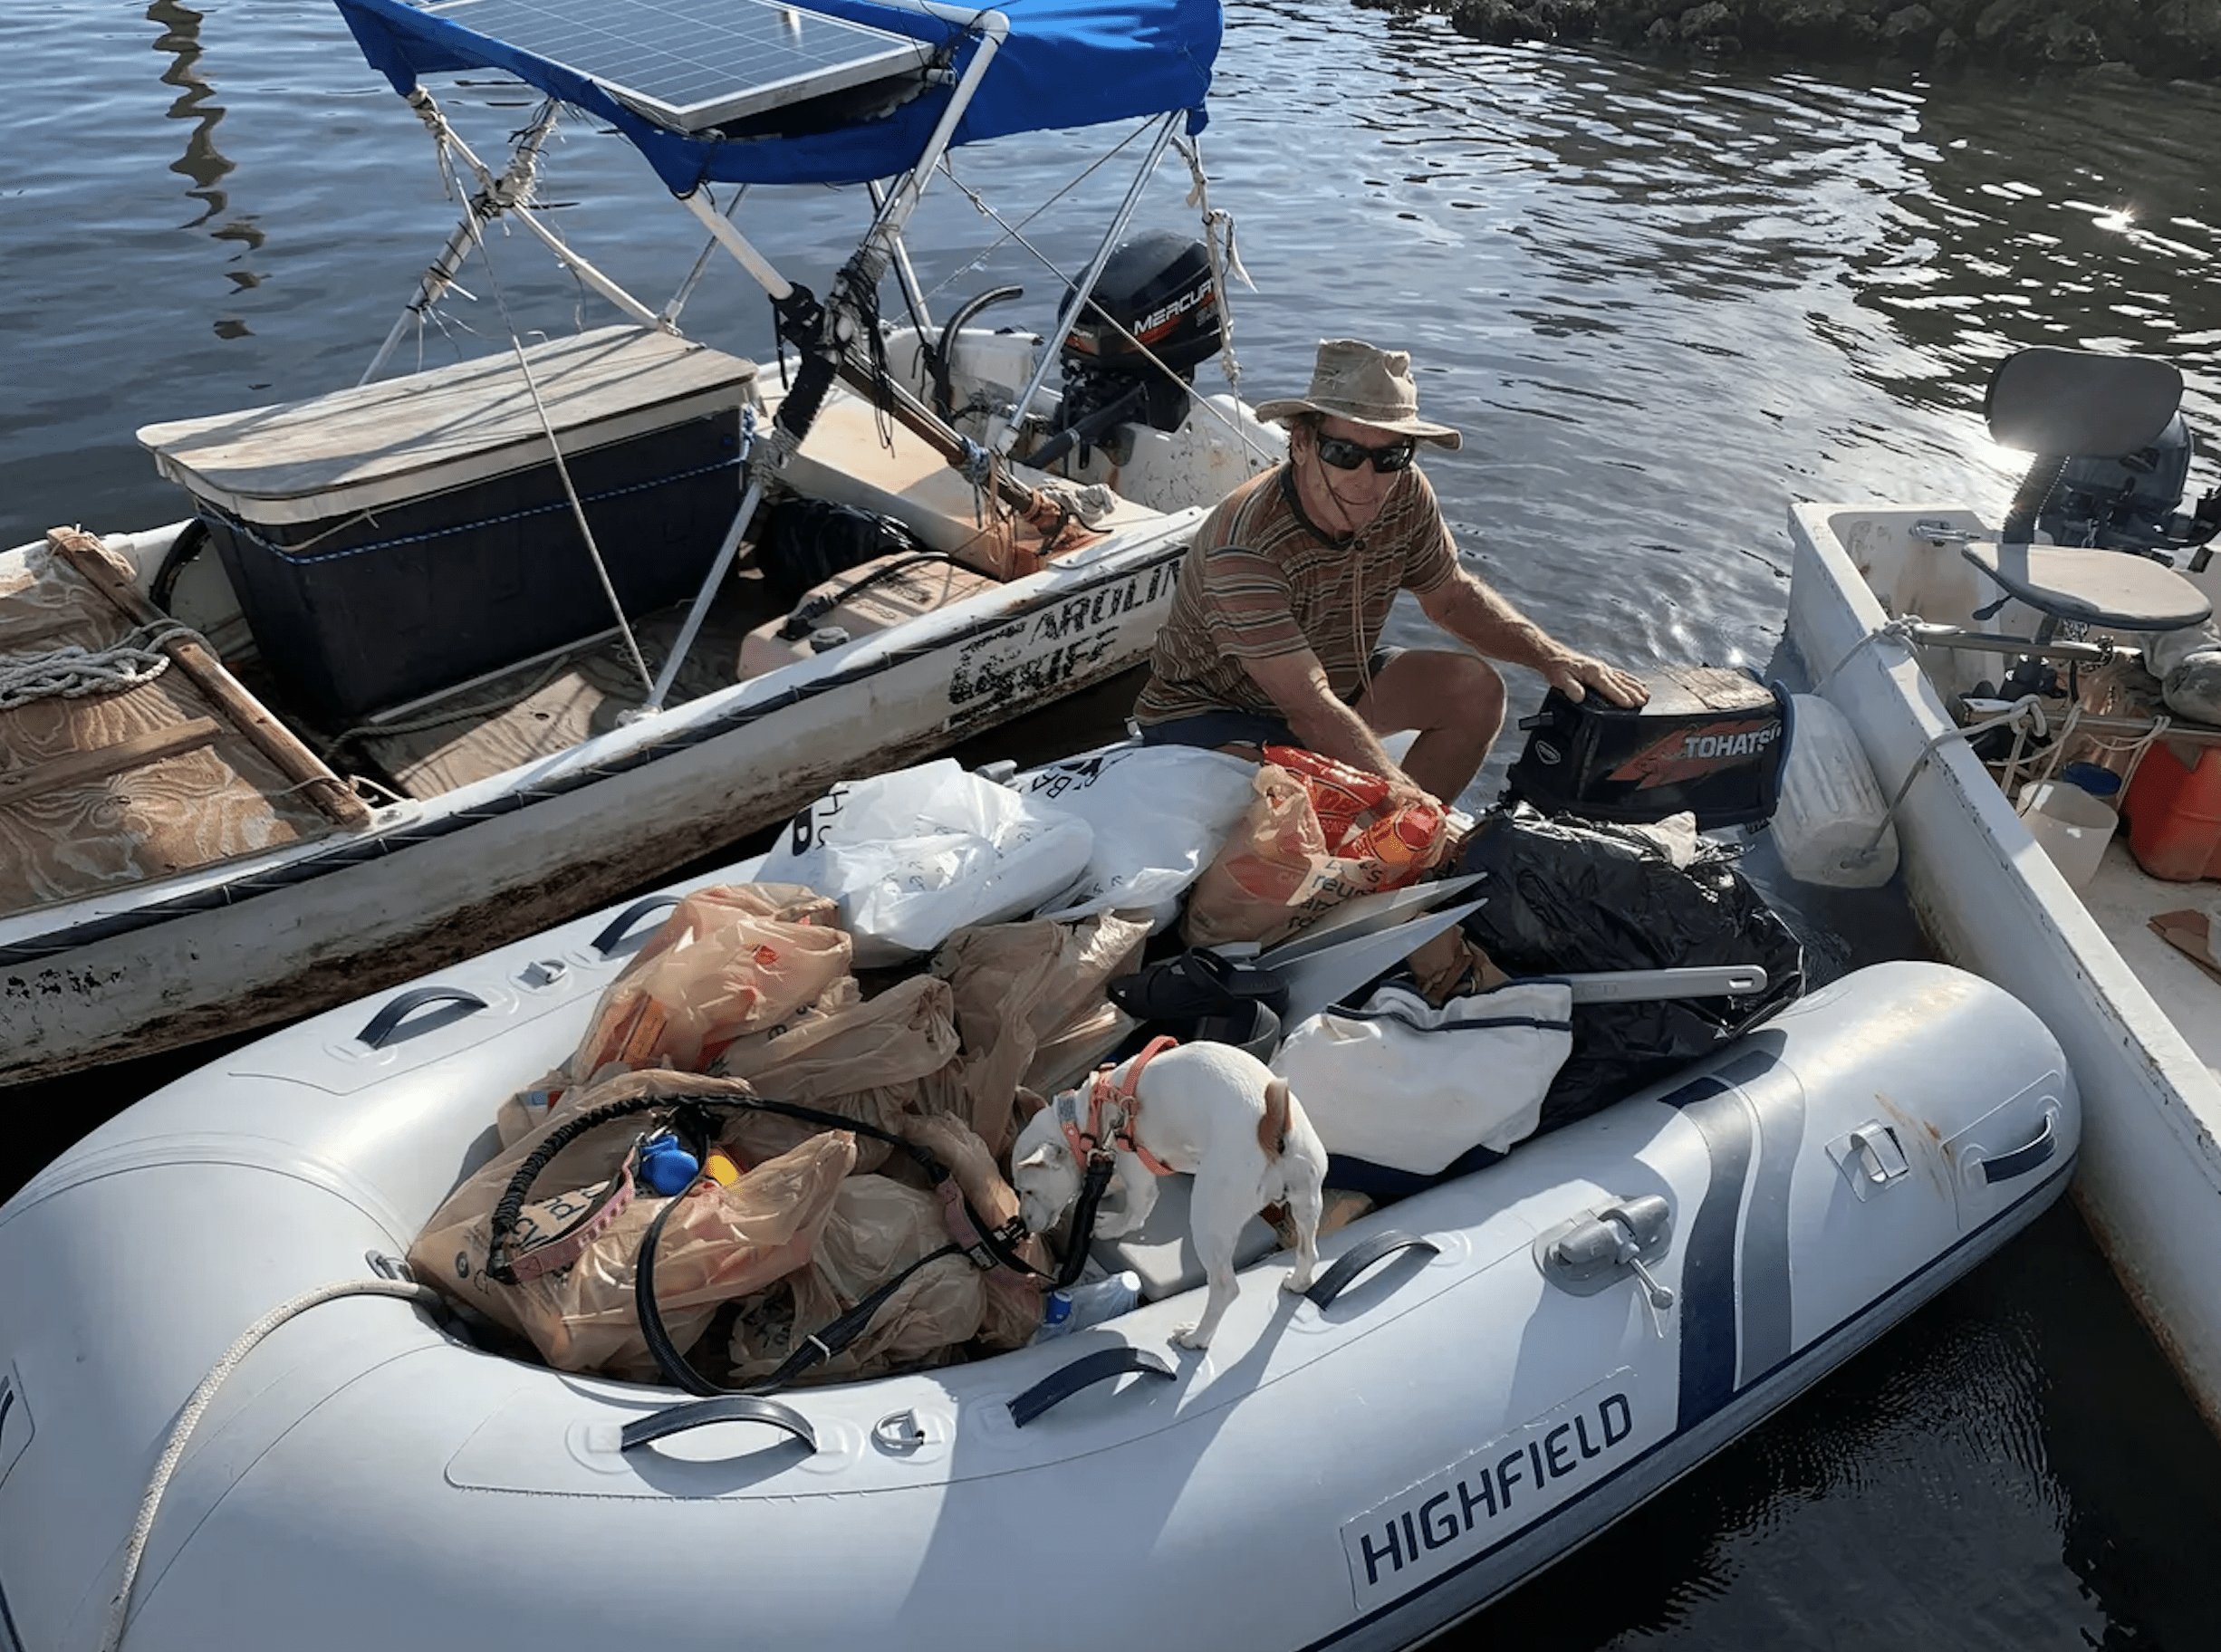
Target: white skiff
{"type": "Point", "coordinates": [423, 688]}
{"type": "Point", "coordinates": [1884, 610]}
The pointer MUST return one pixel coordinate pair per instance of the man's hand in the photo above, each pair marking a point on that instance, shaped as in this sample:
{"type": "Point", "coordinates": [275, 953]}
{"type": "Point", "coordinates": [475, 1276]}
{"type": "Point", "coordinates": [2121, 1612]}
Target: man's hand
{"type": "Point", "coordinates": [1575, 674]}
{"type": "Point", "coordinates": [1402, 794]}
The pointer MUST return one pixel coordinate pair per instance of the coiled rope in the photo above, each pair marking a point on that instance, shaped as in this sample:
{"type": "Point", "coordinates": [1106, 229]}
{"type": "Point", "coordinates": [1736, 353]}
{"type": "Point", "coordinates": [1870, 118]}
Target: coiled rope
{"type": "Point", "coordinates": [74, 671]}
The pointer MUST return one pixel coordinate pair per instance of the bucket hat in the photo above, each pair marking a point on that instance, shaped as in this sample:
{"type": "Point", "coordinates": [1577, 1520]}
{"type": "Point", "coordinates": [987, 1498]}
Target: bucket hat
{"type": "Point", "coordinates": [1367, 385]}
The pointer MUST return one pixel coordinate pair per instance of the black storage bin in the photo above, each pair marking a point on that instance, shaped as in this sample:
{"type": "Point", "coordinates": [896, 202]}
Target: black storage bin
{"type": "Point", "coordinates": [1710, 741]}
{"type": "Point", "coordinates": [402, 537]}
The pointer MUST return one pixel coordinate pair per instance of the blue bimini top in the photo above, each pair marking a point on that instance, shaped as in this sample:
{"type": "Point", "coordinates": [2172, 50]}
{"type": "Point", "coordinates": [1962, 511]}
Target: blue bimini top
{"type": "Point", "coordinates": [1065, 63]}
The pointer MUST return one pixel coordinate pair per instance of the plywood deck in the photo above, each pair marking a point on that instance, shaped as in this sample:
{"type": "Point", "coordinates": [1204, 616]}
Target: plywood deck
{"type": "Point", "coordinates": [108, 790]}
{"type": "Point", "coordinates": [540, 710]}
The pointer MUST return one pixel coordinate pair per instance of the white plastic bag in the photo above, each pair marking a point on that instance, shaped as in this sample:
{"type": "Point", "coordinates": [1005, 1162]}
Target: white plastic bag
{"type": "Point", "coordinates": [1404, 1084]}
{"type": "Point", "coordinates": [915, 856]}
{"type": "Point", "coordinates": [1161, 814]}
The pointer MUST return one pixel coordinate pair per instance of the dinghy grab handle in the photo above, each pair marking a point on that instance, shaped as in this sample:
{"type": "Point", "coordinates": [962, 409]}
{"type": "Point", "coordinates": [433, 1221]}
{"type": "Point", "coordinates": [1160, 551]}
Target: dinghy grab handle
{"type": "Point", "coordinates": [1066, 1381]}
{"type": "Point", "coordinates": [724, 1408]}
{"type": "Point", "coordinates": [385, 1024]}
{"type": "Point", "coordinates": [620, 927]}
{"type": "Point", "coordinates": [1360, 1257]}
{"type": "Point", "coordinates": [2022, 1160]}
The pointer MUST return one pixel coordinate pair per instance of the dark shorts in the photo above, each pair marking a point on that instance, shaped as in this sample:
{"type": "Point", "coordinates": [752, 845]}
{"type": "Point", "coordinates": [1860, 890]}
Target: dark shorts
{"type": "Point", "coordinates": [1231, 727]}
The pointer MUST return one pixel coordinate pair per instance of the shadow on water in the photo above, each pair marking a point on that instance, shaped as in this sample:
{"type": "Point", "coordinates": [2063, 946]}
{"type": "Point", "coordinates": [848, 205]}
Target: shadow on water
{"type": "Point", "coordinates": [1923, 1494]}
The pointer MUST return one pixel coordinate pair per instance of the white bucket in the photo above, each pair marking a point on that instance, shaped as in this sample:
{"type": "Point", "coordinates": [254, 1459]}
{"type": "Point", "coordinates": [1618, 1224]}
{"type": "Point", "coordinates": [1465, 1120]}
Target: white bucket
{"type": "Point", "coordinates": [2072, 826]}
{"type": "Point", "coordinates": [1832, 824]}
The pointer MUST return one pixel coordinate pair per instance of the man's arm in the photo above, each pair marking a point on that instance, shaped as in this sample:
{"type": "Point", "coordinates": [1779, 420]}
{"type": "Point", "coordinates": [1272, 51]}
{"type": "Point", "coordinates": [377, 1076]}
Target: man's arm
{"type": "Point", "coordinates": [1321, 722]}
{"type": "Point", "coordinates": [1472, 612]}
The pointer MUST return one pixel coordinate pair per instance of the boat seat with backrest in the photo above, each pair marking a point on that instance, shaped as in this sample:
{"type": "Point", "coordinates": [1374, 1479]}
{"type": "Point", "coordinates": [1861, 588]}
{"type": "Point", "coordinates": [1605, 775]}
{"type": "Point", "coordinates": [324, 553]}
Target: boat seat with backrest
{"type": "Point", "coordinates": [2062, 405]}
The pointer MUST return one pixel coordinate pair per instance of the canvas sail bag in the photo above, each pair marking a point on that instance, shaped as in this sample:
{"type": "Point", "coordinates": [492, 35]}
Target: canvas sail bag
{"type": "Point", "coordinates": [1402, 1083]}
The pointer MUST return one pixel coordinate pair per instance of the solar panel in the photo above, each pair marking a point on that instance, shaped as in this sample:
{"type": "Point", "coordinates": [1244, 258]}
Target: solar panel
{"type": "Point", "coordinates": [689, 64]}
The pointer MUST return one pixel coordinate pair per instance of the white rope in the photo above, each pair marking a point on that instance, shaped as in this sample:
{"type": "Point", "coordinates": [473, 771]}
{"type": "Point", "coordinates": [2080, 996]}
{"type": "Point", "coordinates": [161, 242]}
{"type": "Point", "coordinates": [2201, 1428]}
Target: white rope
{"type": "Point", "coordinates": [74, 671]}
{"type": "Point", "coordinates": [1216, 222]}
{"type": "Point", "coordinates": [2019, 716]}
{"type": "Point", "coordinates": [173, 1449]}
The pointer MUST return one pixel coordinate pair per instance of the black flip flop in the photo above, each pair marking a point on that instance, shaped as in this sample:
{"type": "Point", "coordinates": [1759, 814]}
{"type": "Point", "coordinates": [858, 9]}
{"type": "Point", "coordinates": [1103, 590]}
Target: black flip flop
{"type": "Point", "coordinates": [1196, 984]}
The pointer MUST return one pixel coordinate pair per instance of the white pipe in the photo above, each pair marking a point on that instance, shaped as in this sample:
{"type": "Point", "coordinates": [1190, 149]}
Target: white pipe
{"type": "Point", "coordinates": [700, 610]}
{"type": "Point", "coordinates": [497, 197]}
{"type": "Point", "coordinates": [1006, 433]}
{"type": "Point", "coordinates": [735, 243]}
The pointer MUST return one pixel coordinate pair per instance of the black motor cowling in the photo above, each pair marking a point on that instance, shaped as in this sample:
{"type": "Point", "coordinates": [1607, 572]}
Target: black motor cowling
{"type": "Point", "coordinates": [1153, 320]}
{"type": "Point", "coordinates": [2128, 503]}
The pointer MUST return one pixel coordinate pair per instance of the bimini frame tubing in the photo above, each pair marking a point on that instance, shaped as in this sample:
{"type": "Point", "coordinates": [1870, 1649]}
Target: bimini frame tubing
{"type": "Point", "coordinates": [1004, 431]}
{"type": "Point", "coordinates": [497, 197]}
{"type": "Point", "coordinates": [836, 323]}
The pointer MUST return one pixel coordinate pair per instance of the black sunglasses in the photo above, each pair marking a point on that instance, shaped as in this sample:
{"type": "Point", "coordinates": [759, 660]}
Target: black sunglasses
{"type": "Point", "coordinates": [1343, 454]}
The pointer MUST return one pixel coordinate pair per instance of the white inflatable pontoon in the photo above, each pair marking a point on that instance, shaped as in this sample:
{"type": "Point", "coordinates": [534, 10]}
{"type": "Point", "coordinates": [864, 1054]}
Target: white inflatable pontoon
{"type": "Point", "coordinates": [1485, 1376]}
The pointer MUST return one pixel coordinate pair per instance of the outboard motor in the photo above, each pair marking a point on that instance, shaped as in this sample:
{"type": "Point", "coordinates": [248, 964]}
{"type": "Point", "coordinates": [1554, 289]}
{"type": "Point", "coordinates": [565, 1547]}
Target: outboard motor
{"type": "Point", "coordinates": [1156, 298]}
{"type": "Point", "coordinates": [2128, 503]}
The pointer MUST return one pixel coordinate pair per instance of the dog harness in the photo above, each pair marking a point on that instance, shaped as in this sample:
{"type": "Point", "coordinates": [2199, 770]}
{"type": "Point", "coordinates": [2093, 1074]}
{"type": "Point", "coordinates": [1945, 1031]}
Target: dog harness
{"type": "Point", "coordinates": [1103, 1094]}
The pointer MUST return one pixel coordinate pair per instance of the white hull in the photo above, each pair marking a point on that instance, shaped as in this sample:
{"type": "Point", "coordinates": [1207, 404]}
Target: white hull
{"type": "Point", "coordinates": [1993, 902]}
{"type": "Point", "coordinates": [1358, 1475]}
{"type": "Point", "coordinates": [248, 943]}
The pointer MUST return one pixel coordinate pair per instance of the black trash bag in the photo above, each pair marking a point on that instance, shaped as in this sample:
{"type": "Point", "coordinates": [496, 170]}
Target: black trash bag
{"type": "Point", "coordinates": [806, 542]}
{"type": "Point", "coordinates": [1567, 896]}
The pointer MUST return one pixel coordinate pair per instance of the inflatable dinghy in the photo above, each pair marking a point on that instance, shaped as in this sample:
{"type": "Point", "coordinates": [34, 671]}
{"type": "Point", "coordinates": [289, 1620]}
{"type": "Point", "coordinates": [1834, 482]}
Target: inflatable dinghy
{"type": "Point", "coordinates": [1484, 1377]}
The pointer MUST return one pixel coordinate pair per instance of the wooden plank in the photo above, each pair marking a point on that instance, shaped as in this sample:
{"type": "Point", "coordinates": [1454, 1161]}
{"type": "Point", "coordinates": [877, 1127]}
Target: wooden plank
{"type": "Point", "coordinates": [15, 638]}
{"type": "Point", "coordinates": [315, 780]}
{"type": "Point", "coordinates": [37, 779]}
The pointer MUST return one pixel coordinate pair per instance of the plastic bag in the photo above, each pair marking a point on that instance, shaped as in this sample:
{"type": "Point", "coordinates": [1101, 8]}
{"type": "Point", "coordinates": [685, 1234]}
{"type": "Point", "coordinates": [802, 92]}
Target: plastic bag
{"type": "Point", "coordinates": [1276, 874]}
{"type": "Point", "coordinates": [876, 1228]}
{"type": "Point", "coordinates": [860, 1058]}
{"type": "Point", "coordinates": [1567, 896]}
{"type": "Point", "coordinates": [1016, 988]}
{"type": "Point", "coordinates": [1161, 814]}
{"type": "Point", "coordinates": [916, 855]}
{"type": "Point", "coordinates": [721, 1243]}
{"type": "Point", "coordinates": [806, 542]}
{"type": "Point", "coordinates": [1402, 1083]}
{"type": "Point", "coordinates": [729, 959]}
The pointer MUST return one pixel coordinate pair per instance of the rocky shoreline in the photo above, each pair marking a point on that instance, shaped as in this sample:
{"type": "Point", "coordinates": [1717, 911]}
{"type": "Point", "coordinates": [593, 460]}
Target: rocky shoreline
{"type": "Point", "coordinates": [2163, 39]}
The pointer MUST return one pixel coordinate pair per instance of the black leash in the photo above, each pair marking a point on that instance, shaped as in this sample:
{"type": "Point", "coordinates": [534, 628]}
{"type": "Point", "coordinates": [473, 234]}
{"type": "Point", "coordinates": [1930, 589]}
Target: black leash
{"type": "Point", "coordinates": [690, 1118]}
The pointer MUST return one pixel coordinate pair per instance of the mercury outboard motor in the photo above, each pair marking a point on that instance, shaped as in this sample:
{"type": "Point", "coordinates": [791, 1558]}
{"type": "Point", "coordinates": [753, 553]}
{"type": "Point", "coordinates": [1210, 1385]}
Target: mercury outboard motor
{"type": "Point", "coordinates": [1132, 353]}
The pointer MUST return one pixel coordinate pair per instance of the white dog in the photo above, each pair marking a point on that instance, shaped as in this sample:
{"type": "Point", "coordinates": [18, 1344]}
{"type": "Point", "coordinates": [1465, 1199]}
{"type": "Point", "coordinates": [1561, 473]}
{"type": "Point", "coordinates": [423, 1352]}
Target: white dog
{"type": "Point", "coordinates": [1208, 1108]}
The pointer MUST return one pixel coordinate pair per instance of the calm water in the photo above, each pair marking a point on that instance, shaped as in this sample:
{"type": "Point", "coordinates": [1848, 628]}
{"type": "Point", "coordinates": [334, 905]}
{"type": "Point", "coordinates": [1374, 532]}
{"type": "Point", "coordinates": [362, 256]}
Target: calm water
{"type": "Point", "coordinates": [1662, 302]}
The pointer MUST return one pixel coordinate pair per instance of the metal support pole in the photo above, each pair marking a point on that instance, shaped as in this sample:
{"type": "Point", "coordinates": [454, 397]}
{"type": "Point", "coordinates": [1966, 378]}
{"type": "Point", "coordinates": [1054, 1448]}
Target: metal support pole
{"type": "Point", "coordinates": [911, 292]}
{"type": "Point", "coordinates": [1004, 433]}
{"type": "Point", "coordinates": [703, 598]}
{"type": "Point", "coordinates": [491, 201]}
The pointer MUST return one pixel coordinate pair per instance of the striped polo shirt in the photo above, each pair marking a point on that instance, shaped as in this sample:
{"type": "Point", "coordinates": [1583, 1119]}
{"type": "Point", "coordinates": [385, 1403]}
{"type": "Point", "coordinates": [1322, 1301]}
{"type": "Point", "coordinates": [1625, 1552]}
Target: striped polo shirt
{"type": "Point", "coordinates": [1261, 580]}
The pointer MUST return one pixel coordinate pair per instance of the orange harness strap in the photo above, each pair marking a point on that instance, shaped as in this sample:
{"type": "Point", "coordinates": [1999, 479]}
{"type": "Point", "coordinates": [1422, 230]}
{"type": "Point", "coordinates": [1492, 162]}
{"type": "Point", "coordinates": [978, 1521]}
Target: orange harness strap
{"type": "Point", "coordinates": [1103, 1093]}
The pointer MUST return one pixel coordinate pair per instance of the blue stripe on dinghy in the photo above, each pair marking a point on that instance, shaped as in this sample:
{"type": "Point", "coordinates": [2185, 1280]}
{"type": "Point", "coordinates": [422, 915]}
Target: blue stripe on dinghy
{"type": "Point", "coordinates": [1708, 1305]}
{"type": "Point", "coordinates": [1746, 1320]}
{"type": "Point", "coordinates": [2012, 1214]}
{"type": "Point", "coordinates": [359, 850]}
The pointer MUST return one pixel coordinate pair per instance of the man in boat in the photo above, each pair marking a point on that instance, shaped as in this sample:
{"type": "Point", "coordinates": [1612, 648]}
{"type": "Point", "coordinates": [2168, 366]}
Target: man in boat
{"type": "Point", "coordinates": [1274, 633]}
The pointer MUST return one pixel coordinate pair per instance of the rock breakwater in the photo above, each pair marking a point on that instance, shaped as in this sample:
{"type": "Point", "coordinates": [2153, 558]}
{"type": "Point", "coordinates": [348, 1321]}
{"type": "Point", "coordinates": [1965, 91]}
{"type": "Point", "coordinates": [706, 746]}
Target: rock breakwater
{"type": "Point", "coordinates": [2172, 38]}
